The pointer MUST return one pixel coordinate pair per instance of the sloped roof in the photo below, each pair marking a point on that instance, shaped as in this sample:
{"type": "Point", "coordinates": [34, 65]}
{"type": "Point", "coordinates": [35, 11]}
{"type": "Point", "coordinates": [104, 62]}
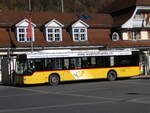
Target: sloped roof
{"type": "Point", "coordinates": [96, 37]}
{"type": "Point", "coordinates": [121, 18]}
{"type": "Point", "coordinates": [99, 37]}
{"type": "Point", "coordinates": [143, 2]}
{"type": "Point", "coordinates": [130, 44]}
{"type": "Point", "coordinates": [122, 11]}
{"type": "Point", "coordinates": [9, 18]}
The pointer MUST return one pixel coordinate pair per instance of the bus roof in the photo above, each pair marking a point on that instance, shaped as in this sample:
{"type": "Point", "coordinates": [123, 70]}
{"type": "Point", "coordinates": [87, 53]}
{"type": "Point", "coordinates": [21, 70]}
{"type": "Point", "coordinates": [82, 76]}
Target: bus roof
{"type": "Point", "coordinates": [78, 54]}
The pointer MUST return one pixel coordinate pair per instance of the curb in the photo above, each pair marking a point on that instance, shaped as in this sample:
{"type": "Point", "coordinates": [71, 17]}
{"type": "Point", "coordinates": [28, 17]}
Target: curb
{"type": "Point", "coordinates": [142, 77]}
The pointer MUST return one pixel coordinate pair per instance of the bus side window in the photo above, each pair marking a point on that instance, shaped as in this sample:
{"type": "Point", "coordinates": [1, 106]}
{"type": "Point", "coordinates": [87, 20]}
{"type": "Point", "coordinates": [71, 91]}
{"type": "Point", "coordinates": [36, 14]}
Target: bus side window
{"type": "Point", "coordinates": [66, 63]}
{"type": "Point", "coordinates": [100, 62]}
{"type": "Point", "coordinates": [31, 64]}
{"type": "Point", "coordinates": [122, 61]}
{"type": "Point", "coordinates": [93, 62]}
{"type": "Point", "coordinates": [39, 64]}
{"type": "Point", "coordinates": [85, 62]}
{"type": "Point", "coordinates": [75, 63]}
{"type": "Point", "coordinates": [89, 62]}
{"type": "Point", "coordinates": [57, 64]}
{"type": "Point", "coordinates": [48, 64]}
{"type": "Point", "coordinates": [112, 61]}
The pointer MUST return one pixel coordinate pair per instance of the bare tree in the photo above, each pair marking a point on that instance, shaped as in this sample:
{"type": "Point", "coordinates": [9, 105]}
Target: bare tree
{"type": "Point", "coordinates": [76, 6]}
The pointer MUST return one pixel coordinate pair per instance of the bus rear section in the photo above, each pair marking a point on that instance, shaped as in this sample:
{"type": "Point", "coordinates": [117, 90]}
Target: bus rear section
{"type": "Point", "coordinates": [53, 70]}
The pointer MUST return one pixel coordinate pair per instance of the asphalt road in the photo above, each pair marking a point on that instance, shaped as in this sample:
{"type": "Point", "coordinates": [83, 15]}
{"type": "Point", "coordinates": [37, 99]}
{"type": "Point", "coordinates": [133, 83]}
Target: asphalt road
{"type": "Point", "coordinates": [121, 96]}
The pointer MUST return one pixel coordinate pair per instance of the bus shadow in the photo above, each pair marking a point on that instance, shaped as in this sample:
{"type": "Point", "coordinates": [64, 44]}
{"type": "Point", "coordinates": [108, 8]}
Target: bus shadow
{"type": "Point", "coordinates": [63, 83]}
{"type": "Point", "coordinates": [75, 82]}
{"type": "Point", "coordinates": [83, 81]}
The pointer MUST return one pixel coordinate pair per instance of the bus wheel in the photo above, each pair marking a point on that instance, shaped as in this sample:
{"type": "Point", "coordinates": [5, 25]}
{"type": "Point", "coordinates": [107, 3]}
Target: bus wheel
{"type": "Point", "coordinates": [54, 80]}
{"type": "Point", "coordinates": [112, 75]}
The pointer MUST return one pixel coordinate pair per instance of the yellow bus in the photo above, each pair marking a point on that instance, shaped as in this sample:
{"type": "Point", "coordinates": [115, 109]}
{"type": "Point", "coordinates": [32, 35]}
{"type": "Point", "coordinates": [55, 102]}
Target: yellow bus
{"type": "Point", "coordinates": [56, 67]}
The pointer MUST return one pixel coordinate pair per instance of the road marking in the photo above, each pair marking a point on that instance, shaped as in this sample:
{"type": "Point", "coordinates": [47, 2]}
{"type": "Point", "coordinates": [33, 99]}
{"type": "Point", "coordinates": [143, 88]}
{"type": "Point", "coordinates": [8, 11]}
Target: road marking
{"type": "Point", "coordinates": [145, 100]}
{"type": "Point", "coordinates": [53, 106]}
{"type": "Point", "coordinates": [96, 97]}
{"type": "Point", "coordinates": [34, 92]}
{"type": "Point", "coordinates": [37, 91]}
{"type": "Point", "coordinates": [92, 89]}
{"type": "Point", "coordinates": [82, 90]}
{"type": "Point", "coordinates": [20, 95]}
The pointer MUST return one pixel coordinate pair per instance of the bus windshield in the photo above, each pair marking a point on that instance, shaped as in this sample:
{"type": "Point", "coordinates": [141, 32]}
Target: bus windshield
{"type": "Point", "coordinates": [21, 66]}
{"type": "Point", "coordinates": [24, 67]}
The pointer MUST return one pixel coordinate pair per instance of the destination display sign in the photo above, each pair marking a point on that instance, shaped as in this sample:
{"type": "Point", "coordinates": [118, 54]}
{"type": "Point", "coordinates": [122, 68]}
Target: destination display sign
{"type": "Point", "coordinates": [79, 54]}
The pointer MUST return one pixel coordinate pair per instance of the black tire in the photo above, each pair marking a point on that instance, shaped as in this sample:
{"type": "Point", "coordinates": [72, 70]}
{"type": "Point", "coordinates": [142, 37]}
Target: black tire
{"type": "Point", "coordinates": [54, 80]}
{"type": "Point", "coordinates": [112, 75]}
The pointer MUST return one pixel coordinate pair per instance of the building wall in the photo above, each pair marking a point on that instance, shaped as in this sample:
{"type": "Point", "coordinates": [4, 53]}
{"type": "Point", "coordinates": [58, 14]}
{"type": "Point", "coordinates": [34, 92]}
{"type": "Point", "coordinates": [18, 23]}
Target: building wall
{"type": "Point", "coordinates": [140, 35]}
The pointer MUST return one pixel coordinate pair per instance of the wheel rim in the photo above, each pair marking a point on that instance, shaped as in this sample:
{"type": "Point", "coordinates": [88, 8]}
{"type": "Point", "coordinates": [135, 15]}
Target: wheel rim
{"type": "Point", "coordinates": [111, 76]}
{"type": "Point", "coordinates": [54, 80]}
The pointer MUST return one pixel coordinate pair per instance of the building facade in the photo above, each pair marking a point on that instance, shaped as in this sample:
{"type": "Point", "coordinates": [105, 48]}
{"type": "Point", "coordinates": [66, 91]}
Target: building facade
{"type": "Point", "coordinates": [132, 26]}
{"type": "Point", "coordinates": [119, 27]}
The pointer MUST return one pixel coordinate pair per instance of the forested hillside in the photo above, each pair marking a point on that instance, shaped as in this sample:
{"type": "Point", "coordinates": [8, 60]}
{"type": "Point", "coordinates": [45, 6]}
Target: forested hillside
{"type": "Point", "coordinates": [75, 6]}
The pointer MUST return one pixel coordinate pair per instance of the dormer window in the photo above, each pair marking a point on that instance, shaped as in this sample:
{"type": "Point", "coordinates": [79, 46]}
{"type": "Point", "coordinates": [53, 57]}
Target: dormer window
{"type": "Point", "coordinates": [53, 34]}
{"type": "Point", "coordinates": [21, 31]}
{"type": "Point", "coordinates": [79, 31]}
{"type": "Point", "coordinates": [79, 34]}
{"type": "Point", "coordinates": [54, 31]}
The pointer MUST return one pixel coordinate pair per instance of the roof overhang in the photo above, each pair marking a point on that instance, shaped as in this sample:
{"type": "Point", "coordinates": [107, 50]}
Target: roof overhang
{"type": "Point", "coordinates": [54, 47]}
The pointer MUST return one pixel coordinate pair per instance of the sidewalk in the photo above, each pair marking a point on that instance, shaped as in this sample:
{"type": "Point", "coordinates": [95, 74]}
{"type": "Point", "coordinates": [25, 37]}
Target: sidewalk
{"type": "Point", "coordinates": [142, 77]}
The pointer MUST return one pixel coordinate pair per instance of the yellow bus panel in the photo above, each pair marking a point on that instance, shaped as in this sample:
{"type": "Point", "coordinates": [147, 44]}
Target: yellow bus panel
{"type": "Point", "coordinates": [78, 74]}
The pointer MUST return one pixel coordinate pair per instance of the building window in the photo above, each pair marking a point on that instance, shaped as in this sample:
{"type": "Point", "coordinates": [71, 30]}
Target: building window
{"type": "Point", "coordinates": [53, 34]}
{"type": "Point", "coordinates": [22, 35]}
{"type": "Point", "coordinates": [115, 36]}
{"type": "Point", "coordinates": [21, 31]}
{"type": "Point", "coordinates": [125, 35]}
{"type": "Point", "coordinates": [79, 34]}
{"type": "Point", "coordinates": [144, 35]}
{"type": "Point", "coordinates": [135, 35]}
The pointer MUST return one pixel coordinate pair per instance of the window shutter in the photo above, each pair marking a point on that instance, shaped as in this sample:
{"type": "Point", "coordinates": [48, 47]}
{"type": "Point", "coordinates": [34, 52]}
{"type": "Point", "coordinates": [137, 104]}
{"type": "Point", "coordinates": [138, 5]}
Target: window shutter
{"type": "Point", "coordinates": [140, 35]}
{"type": "Point", "coordinates": [129, 35]}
